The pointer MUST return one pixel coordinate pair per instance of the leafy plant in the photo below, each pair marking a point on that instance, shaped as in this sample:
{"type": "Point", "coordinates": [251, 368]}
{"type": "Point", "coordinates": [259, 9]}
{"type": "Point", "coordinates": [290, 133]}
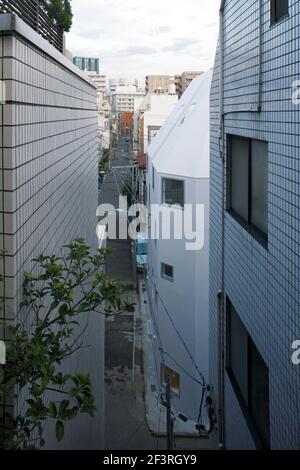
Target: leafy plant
{"type": "Point", "coordinates": [61, 12]}
{"type": "Point", "coordinates": [59, 299]}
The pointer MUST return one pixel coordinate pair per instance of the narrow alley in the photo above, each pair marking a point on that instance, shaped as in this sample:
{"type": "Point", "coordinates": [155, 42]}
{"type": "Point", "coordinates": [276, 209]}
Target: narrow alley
{"type": "Point", "coordinates": [124, 401]}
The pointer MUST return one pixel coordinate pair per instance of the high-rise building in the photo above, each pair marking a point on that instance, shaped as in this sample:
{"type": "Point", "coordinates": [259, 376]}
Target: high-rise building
{"type": "Point", "coordinates": [87, 64]}
{"type": "Point", "coordinates": [187, 78]}
{"type": "Point", "coordinates": [183, 81]}
{"type": "Point", "coordinates": [103, 108]}
{"type": "Point", "coordinates": [124, 96]}
{"type": "Point", "coordinates": [100, 82]}
{"type": "Point", "coordinates": [178, 85]}
{"type": "Point", "coordinates": [255, 225]}
{"type": "Point", "coordinates": [159, 83]}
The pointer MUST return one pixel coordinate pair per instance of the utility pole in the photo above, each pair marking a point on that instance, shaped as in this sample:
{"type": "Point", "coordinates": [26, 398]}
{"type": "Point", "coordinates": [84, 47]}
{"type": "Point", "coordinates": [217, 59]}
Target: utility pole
{"type": "Point", "coordinates": [169, 415]}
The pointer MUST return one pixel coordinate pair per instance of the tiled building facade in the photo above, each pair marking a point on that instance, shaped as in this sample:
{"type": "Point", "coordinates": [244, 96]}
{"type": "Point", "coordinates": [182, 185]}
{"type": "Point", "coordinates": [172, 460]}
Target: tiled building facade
{"type": "Point", "coordinates": [255, 230]}
{"type": "Point", "coordinates": [48, 184]}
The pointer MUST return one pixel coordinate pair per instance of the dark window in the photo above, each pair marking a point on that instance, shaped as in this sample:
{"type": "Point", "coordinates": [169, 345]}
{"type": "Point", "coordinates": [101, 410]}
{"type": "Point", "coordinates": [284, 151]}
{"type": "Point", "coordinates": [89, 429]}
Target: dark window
{"type": "Point", "coordinates": [250, 376]}
{"type": "Point", "coordinates": [248, 182]}
{"type": "Point", "coordinates": [167, 272]}
{"type": "Point", "coordinates": [153, 177]}
{"type": "Point", "coordinates": [259, 392]}
{"type": "Point", "coordinates": [279, 9]}
{"type": "Point", "coordinates": [172, 192]}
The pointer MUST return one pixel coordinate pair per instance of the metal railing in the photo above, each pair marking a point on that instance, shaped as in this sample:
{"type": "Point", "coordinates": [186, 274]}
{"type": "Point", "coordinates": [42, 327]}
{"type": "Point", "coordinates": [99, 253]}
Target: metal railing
{"type": "Point", "coordinates": [36, 14]}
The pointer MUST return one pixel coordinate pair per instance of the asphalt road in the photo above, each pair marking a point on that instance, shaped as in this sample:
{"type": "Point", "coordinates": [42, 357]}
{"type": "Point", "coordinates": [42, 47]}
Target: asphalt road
{"type": "Point", "coordinates": [125, 420]}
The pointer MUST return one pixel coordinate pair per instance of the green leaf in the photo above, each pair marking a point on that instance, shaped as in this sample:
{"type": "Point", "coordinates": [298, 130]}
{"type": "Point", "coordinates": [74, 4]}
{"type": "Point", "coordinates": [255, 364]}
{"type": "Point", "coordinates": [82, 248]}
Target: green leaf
{"type": "Point", "coordinates": [63, 310]}
{"type": "Point", "coordinates": [59, 430]}
{"type": "Point", "coordinates": [42, 442]}
{"type": "Point", "coordinates": [53, 410]}
{"type": "Point", "coordinates": [62, 409]}
{"type": "Point", "coordinates": [1, 375]}
{"type": "Point", "coordinates": [54, 305]}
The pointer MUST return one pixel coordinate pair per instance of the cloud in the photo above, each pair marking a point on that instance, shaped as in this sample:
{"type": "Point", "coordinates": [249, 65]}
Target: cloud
{"type": "Point", "coordinates": [180, 44]}
{"type": "Point", "coordinates": [160, 30]}
{"type": "Point", "coordinates": [135, 38]}
{"type": "Point", "coordinates": [137, 50]}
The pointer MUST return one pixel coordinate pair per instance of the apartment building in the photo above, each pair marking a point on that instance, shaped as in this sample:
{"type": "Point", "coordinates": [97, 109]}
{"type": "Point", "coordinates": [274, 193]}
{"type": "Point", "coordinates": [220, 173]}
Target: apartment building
{"type": "Point", "coordinates": [149, 118]}
{"type": "Point", "coordinates": [183, 81]}
{"type": "Point", "coordinates": [255, 225]}
{"type": "Point", "coordinates": [48, 188]}
{"type": "Point", "coordinates": [103, 108]}
{"type": "Point", "coordinates": [159, 83]}
{"type": "Point", "coordinates": [177, 274]}
{"type": "Point", "coordinates": [100, 82]}
{"type": "Point", "coordinates": [125, 98]}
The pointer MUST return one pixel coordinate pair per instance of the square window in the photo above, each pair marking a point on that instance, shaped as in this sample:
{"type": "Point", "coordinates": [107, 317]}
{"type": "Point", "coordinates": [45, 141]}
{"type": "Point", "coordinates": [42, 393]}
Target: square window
{"type": "Point", "coordinates": [247, 185]}
{"type": "Point", "coordinates": [239, 181]}
{"type": "Point", "coordinates": [167, 272]}
{"type": "Point", "coordinates": [173, 377]}
{"type": "Point", "coordinates": [259, 185]}
{"type": "Point", "coordinates": [172, 192]}
{"type": "Point", "coordinates": [249, 375]}
{"type": "Point", "coordinates": [259, 392]}
{"type": "Point", "coordinates": [279, 10]}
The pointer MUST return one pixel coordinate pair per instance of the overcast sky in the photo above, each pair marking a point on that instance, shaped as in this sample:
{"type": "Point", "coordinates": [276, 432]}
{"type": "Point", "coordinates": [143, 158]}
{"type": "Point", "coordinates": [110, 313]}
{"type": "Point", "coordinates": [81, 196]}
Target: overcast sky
{"type": "Point", "coordinates": [134, 38]}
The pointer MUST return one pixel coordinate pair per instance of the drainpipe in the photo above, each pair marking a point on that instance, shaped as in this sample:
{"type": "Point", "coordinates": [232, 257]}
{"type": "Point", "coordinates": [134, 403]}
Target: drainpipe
{"type": "Point", "coordinates": [260, 56]}
{"type": "Point", "coordinates": [221, 305]}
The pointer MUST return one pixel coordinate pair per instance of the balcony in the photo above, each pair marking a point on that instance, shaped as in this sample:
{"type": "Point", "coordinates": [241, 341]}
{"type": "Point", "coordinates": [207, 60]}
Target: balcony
{"type": "Point", "coordinates": [36, 14]}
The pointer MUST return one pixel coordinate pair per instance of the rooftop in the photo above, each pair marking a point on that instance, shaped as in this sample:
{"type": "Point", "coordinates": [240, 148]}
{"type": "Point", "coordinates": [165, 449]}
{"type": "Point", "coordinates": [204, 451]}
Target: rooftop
{"type": "Point", "coordinates": [181, 148]}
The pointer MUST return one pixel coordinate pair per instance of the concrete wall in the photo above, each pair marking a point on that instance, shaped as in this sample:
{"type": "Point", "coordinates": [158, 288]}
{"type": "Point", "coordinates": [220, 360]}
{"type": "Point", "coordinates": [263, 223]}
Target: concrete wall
{"type": "Point", "coordinates": [48, 184]}
{"type": "Point", "coordinates": [263, 284]}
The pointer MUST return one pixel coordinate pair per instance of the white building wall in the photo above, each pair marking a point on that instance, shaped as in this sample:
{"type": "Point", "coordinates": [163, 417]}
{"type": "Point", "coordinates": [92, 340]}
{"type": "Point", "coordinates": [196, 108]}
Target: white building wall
{"type": "Point", "coordinates": [157, 109]}
{"type": "Point", "coordinates": [48, 169]}
{"type": "Point", "coordinates": [186, 299]}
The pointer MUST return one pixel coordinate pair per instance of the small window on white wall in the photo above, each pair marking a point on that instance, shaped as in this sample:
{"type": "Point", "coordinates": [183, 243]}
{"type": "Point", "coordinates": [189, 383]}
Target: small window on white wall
{"type": "Point", "coordinates": [174, 378]}
{"type": "Point", "coordinates": [172, 192]}
{"type": "Point", "coordinates": [167, 272]}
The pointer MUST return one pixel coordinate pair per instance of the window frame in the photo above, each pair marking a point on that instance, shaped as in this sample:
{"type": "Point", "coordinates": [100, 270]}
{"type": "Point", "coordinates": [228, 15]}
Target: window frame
{"type": "Point", "coordinates": [163, 192]}
{"type": "Point", "coordinates": [166, 369]}
{"type": "Point", "coordinates": [245, 404]}
{"type": "Point", "coordinates": [164, 276]}
{"type": "Point", "coordinates": [248, 225]}
{"type": "Point", "coordinates": [273, 18]}
{"type": "Point", "coordinates": [150, 129]}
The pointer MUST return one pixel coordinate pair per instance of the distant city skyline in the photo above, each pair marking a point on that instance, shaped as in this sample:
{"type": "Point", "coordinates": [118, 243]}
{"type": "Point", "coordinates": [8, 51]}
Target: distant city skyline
{"type": "Point", "coordinates": [134, 39]}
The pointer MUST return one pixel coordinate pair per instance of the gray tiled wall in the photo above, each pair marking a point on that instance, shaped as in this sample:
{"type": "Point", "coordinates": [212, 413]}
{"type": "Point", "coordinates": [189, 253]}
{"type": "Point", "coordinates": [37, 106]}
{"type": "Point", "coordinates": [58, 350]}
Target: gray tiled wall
{"type": "Point", "coordinates": [263, 284]}
{"type": "Point", "coordinates": [48, 185]}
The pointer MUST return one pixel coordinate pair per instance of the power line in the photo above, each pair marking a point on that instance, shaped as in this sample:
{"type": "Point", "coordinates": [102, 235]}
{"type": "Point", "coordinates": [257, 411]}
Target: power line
{"type": "Point", "coordinates": [182, 340]}
{"type": "Point", "coordinates": [184, 370]}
